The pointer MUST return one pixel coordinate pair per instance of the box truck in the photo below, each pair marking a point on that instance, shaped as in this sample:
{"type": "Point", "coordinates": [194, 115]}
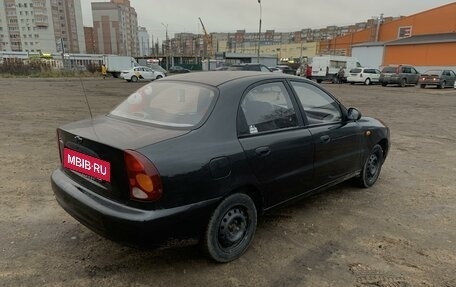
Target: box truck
{"type": "Point", "coordinates": [116, 64]}
{"type": "Point", "coordinates": [326, 68]}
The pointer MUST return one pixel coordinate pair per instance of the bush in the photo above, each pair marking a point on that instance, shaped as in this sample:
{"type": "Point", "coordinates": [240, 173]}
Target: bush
{"type": "Point", "coordinates": [41, 68]}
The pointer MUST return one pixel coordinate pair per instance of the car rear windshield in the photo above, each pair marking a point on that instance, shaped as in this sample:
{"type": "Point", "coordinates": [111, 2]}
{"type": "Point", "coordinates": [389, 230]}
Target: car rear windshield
{"type": "Point", "coordinates": [433, 72]}
{"type": "Point", "coordinates": [355, 71]}
{"type": "Point", "coordinates": [171, 104]}
{"type": "Point", "coordinates": [389, 70]}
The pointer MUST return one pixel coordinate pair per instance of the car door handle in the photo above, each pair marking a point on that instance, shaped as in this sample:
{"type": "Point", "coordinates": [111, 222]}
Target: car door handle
{"type": "Point", "coordinates": [263, 151]}
{"type": "Point", "coordinates": [325, 139]}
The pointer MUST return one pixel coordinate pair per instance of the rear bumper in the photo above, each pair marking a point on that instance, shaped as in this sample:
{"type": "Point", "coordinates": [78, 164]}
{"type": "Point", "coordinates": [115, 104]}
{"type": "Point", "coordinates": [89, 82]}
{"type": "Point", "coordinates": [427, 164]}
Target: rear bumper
{"type": "Point", "coordinates": [430, 82]}
{"type": "Point", "coordinates": [390, 81]}
{"type": "Point", "coordinates": [125, 224]}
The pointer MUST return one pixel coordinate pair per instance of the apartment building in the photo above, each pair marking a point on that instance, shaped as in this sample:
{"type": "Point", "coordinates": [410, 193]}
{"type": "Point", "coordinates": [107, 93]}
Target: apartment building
{"type": "Point", "coordinates": [144, 42]}
{"type": "Point", "coordinates": [44, 26]}
{"type": "Point", "coordinates": [115, 28]}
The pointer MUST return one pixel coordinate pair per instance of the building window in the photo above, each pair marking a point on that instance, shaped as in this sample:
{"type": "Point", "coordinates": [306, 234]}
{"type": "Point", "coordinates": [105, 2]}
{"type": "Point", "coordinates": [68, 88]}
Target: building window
{"type": "Point", "coordinates": [404, 32]}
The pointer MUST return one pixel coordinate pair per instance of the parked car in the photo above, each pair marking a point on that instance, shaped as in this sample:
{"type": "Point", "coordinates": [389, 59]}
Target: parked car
{"type": "Point", "coordinates": [157, 67]}
{"type": "Point", "coordinates": [249, 67]}
{"type": "Point", "coordinates": [178, 70]}
{"type": "Point", "coordinates": [141, 74]}
{"type": "Point", "coordinates": [366, 76]}
{"type": "Point", "coordinates": [275, 70]}
{"type": "Point", "coordinates": [201, 155]}
{"type": "Point", "coordinates": [439, 78]}
{"type": "Point", "coordinates": [287, 70]}
{"type": "Point", "coordinates": [401, 75]}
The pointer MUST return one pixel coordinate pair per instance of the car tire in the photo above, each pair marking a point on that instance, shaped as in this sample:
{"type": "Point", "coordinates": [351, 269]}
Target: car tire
{"type": "Point", "coordinates": [372, 167]}
{"type": "Point", "coordinates": [230, 229]}
{"type": "Point", "coordinates": [384, 84]}
{"type": "Point", "coordinates": [319, 81]}
{"type": "Point", "coordinates": [422, 86]}
{"type": "Point", "coordinates": [134, 79]}
{"type": "Point", "coordinates": [403, 82]}
{"type": "Point", "coordinates": [443, 85]}
{"type": "Point", "coordinates": [367, 82]}
{"type": "Point", "coordinates": [159, 77]}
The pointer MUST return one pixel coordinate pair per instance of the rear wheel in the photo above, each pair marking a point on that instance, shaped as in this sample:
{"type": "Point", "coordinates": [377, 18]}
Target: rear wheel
{"type": "Point", "coordinates": [372, 167]}
{"type": "Point", "coordinates": [159, 77]}
{"type": "Point", "coordinates": [231, 228]}
{"type": "Point", "coordinates": [134, 79]}
{"type": "Point", "coordinates": [319, 81]}
{"type": "Point", "coordinates": [384, 84]}
{"type": "Point", "coordinates": [422, 86]}
{"type": "Point", "coordinates": [403, 82]}
{"type": "Point", "coordinates": [367, 82]}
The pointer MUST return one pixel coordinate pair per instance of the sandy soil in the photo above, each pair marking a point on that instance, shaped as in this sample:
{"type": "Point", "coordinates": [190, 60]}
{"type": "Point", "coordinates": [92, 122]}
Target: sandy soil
{"type": "Point", "coordinates": [401, 232]}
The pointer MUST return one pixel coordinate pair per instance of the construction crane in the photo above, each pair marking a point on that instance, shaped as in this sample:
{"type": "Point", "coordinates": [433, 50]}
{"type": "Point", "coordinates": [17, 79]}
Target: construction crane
{"type": "Point", "coordinates": [209, 43]}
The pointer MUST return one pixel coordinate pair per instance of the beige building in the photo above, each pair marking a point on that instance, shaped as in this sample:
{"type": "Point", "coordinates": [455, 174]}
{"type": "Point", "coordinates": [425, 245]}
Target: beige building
{"type": "Point", "coordinates": [41, 26]}
{"type": "Point", "coordinates": [285, 52]}
{"type": "Point", "coordinates": [115, 28]}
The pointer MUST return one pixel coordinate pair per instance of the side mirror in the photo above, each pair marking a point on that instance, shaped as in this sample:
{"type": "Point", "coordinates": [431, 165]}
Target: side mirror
{"type": "Point", "coordinates": [353, 114]}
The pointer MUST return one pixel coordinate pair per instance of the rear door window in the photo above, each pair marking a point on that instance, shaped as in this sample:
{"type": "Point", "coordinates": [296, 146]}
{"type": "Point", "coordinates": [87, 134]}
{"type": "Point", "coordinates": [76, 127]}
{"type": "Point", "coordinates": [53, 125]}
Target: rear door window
{"type": "Point", "coordinates": [267, 107]}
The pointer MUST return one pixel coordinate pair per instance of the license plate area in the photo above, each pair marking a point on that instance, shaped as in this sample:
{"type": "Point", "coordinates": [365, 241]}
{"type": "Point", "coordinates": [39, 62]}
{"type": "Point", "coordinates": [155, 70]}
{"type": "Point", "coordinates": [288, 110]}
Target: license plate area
{"type": "Point", "coordinates": [87, 165]}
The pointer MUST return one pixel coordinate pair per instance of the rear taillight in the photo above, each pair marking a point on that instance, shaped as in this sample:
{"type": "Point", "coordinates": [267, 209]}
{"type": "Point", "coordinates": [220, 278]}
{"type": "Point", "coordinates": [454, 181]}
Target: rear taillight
{"type": "Point", "coordinates": [143, 177]}
{"type": "Point", "coordinates": [60, 146]}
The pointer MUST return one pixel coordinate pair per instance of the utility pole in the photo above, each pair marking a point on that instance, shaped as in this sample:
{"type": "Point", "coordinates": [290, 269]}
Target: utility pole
{"type": "Point", "coordinates": [379, 21]}
{"type": "Point", "coordinates": [259, 34]}
{"type": "Point", "coordinates": [166, 46]}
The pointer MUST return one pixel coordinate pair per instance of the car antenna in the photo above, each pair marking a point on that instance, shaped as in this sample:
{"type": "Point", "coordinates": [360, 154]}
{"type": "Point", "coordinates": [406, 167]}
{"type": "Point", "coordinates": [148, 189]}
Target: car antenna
{"type": "Point", "coordinates": [85, 95]}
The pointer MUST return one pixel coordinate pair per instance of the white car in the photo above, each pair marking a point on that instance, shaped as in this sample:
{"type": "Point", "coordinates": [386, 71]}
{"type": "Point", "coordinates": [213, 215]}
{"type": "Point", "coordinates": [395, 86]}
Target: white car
{"type": "Point", "coordinates": [141, 73]}
{"type": "Point", "coordinates": [366, 76]}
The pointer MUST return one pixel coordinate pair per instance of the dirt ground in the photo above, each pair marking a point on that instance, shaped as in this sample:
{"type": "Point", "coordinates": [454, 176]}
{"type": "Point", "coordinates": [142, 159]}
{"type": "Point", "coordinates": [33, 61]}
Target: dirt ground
{"type": "Point", "coordinates": [401, 232]}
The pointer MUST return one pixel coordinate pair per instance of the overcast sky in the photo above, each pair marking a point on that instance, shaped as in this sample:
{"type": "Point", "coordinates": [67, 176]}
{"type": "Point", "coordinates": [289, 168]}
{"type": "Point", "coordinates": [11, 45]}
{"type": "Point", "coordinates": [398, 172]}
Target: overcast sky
{"type": "Point", "coordinates": [279, 15]}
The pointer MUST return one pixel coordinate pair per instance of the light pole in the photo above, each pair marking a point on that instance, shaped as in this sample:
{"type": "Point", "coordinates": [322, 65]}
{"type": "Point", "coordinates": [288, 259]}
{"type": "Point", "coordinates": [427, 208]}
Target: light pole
{"type": "Point", "coordinates": [167, 46]}
{"type": "Point", "coordinates": [259, 34]}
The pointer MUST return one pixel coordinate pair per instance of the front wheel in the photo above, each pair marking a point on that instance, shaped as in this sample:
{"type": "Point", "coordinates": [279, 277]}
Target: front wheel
{"type": "Point", "coordinates": [384, 84]}
{"type": "Point", "coordinates": [159, 77]}
{"type": "Point", "coordinates": [367, 82]}
{"type": "Point", "coordinates": [422, 86]}
{"type": "Point", "coordinates": [372, 167]}
{"type": "Point", "coordinates": [441, 86]}
{"type": "Point", "coordinates": [134, 79]}
{"type": "Point", "coordinates": [231, 228]}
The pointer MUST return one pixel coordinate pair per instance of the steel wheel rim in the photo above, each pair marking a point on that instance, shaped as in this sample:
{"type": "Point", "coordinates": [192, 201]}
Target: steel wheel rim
{"type": "Point", "coordinates": [233, 228]}
{"type": "Point", "coordinates": [372, 166]}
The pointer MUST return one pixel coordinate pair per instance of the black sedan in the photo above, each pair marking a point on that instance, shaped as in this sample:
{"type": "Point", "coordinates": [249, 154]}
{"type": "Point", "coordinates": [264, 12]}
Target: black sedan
{"type": "Point", "coordinates": [201, 155]}
{"type": "Point", "coordinates": [178, 70]}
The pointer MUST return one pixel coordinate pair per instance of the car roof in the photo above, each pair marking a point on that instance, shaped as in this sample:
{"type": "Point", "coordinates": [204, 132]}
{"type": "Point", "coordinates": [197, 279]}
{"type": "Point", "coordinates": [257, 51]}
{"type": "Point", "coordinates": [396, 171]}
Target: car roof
{"type": "Point", "coordinates": [217, 78]}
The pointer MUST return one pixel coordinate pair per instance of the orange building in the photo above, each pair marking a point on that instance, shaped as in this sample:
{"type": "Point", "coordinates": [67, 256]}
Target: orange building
{"type": "Point", "coordinates": [424, 39]}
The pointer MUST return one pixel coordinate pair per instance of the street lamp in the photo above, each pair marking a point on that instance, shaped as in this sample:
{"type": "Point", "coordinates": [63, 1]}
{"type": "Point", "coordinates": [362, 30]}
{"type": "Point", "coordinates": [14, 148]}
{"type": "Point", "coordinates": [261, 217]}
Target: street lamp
{"type": "Point", "coordinates": [167, 46]}
{"type": "Point", "coordinates": [259, 35]}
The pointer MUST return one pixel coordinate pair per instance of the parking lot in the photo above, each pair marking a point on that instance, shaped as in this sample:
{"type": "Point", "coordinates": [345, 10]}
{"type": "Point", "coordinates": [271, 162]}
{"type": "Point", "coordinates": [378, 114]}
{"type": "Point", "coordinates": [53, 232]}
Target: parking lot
{"type": "Point", "coordinates": [401, 232]}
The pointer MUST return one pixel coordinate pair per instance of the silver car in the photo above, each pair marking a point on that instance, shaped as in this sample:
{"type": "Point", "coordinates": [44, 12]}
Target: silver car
{"type": "Point", "coordinates": [440, 78]}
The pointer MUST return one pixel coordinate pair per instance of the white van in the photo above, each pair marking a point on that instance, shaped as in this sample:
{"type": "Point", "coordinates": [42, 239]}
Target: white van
{"type": "Point", "coordinates": [326, 68]}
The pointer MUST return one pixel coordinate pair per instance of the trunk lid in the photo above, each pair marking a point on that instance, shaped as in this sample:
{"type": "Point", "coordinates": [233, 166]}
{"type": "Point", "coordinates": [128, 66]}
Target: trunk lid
{"type": "Point", "coordinates": [105, 138]}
